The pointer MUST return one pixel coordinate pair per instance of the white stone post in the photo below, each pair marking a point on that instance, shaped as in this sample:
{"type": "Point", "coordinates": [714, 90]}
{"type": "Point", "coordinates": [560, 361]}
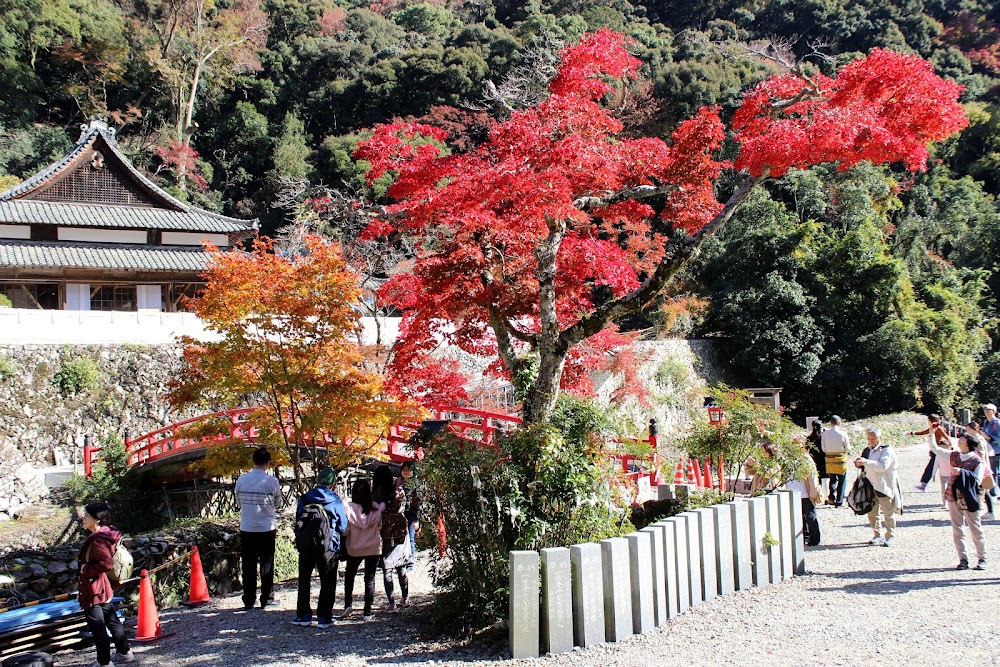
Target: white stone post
{"type": "Point", "coordinates": [683, 594]}
{"type": "Point", "coordinates": [640, 551]}
{"type": "Point", "coordinates": [706, 551]}
{"type": "Point", "coordinates": [617, 577]}
{"type": "Point", "coordinates": [693, 557]}
{"type": "Point", "coordinates": [523, 608]}
{"type": "Point", "coordinates": [787, 534]}
{"type": "Point", "coordinates": [774, 528]}
{"type": "Point", "coordinates": [557, 601]}
{"type": "Point", "coordinates": [725, 574]}
{"type": "Point", "coordinates": [659, 573]}
{"type": "Point", "coordinates": [799, 543]}
{"type": "Point", "coordinates": [742, 556]}
{"type": "Point", "coordinates": [758, 529]}
{"type": "Point", "coordinates": [670, 565]}
{"type": "Point", "coordinates": [588, 594]}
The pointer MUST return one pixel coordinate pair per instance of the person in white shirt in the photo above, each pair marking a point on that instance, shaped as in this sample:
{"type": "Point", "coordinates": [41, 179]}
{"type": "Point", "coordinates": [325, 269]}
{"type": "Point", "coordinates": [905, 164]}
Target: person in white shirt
{"type": "Point", "coordinates": [836, 446]}
{"type": "Point", "coordinates": [879, 463]}
{"type": "Point", "coordinates": [258, 495]}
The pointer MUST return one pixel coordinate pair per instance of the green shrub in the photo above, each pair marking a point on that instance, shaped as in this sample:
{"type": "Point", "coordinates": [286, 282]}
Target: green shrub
{"type": "Point", "coordinates": [76, 375]}
{"type": "Point", "coordinates": [5, 301]}
{"type": "Point", "coordinates": [541, 486]}
{"type": "Point", "coordinates": [107, 479]}
{"type": "Point", "coordinates": [7, 368]}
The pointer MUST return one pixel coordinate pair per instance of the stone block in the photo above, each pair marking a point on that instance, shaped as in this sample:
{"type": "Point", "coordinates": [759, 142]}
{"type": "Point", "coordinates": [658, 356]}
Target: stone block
{"type": "Point", "coordinates": [670, 566]}
{"type": "Point", "coordinates": [557, 601]}
{"type": "Point", "coordinates": [588, 594]}
{"type": "Point", "coordinates": [785, 533]}
{"type": "Point", "coordinates": [525, 588]}
{"type": "Point", "coordinates": [665, 492]}
{"type": "Point", "coordinates": [759, 553]}
{"type": "Point", "coordinates": [774, 529]}
{"type": "Point", "coordinates": [694, 572]}
{"type": "Point", "coordinates": [725, 572]}
{"type": "Point", "coordinates": [683, 595]}
{"type": "Point", "coordinates": [640, 551]}
{"type": "Point", "coordinates": [742, 557]}
{"type": "Point", "coordinates": [659, 573]}
{"type": "Point", "coordinates": [706, 552]}
{"type": "Point", "coordinates": [799, 536]}
{"type": "Point", "coordinates": [617, 577]}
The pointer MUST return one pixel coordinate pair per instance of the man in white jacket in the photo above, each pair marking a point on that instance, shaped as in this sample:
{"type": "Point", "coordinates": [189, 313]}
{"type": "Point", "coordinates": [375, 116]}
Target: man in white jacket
{"type": "Point", "coordinates": [879, 464]}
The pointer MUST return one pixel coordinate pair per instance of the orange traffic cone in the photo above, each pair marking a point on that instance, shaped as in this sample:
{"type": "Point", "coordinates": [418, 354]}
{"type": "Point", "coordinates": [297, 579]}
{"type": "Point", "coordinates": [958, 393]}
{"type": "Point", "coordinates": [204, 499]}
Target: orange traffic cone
{"type": "Point", "coordinates": [198, 590]}
{"type": "Point", "coordinates": [709, 483]}
{"type": "Point", "coordinates": [148, 627]}
{"type": "Point", "coordinates": [690, 473]}
{"type": "Point", "coordinates": [679, 474]}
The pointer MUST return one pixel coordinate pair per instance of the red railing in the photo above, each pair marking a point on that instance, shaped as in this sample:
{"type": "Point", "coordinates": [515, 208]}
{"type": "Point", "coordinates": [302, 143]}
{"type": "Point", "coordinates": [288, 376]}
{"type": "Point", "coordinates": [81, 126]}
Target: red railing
{"type": "Point", "coordinates": [166, 442]}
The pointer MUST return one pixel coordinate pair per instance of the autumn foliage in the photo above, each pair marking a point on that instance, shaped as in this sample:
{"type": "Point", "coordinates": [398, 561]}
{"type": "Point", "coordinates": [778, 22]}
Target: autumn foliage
{"type": "Point", "coordinates": [536, 241]}
{"type": "Point", "coordinates": [286, 341]}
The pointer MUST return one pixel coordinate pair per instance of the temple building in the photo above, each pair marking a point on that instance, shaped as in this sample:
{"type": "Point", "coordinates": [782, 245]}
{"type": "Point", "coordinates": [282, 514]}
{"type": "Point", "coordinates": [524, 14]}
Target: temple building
{"type": "Point", "coordinates": [91, 233]}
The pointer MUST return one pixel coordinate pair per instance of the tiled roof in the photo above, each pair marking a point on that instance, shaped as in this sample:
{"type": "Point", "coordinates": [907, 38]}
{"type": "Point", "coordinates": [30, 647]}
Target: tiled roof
{"type": "Point", "coordinates": [26, 211]}
{"type": "Point", "coordinates": [101, 256]}
{"type": "Point", "coordinates": [170, 213]}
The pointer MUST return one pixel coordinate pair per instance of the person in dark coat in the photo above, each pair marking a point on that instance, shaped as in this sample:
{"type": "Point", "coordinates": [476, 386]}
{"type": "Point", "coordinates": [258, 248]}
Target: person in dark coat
{"type": "Point", "coordinates": [96, 560]}
{"type": "Point", "coordinates": [815, 449]}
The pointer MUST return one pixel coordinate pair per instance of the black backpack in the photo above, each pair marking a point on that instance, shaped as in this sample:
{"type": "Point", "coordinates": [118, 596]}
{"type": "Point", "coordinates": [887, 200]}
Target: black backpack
{"type": "Point", "coordinates": [313, 533]}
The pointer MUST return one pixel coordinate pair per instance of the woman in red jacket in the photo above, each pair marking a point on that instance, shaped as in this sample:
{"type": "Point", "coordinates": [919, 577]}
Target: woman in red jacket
{"type": "Point", "coordinates": [95, 560]}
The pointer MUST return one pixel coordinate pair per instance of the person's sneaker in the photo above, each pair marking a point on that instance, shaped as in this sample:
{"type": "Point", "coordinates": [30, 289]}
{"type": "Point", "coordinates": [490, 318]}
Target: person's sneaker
{"type": "Point", "coordinates": [404, 602]}
{"type": "Point", "coordinates": [889, 541]}
{"type": "Point", "coordinates": [347, 612]}
{"type": "Point", "coordinates": [963, 565]}
{"type": "Point", "coordinates": [324, 623]}
{"type": "Point", "coordinates": [123, 658]}
{"type": "Point", "coordinates": [981, 565]}
{"type": "Point", "coordinates": [368, 617]}
{"type": "Point", "coordinates": [920, 487]}
{"type": "Point", "coordinates": [990, 516]}
{"type": "Point", "coordinates": [302, 621]}
{"type": "Point", "coordinates": [391, 607]}
{"type": "Point", "coordinates": [878, 540]}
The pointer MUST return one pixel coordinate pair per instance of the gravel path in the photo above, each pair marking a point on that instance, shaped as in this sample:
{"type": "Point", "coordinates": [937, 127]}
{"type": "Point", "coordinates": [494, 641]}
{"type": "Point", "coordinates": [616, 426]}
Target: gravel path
{"type": "Point", "coordinates": [858, 605]}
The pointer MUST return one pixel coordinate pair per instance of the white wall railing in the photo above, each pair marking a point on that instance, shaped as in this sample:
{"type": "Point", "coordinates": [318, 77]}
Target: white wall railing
{"type": "Point", "coordinates": [21, 326]}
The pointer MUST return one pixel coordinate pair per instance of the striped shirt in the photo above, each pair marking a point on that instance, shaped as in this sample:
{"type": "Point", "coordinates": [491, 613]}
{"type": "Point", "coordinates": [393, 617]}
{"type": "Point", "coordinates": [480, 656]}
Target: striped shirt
{"type": "Point", "coordinates": [258, 494]}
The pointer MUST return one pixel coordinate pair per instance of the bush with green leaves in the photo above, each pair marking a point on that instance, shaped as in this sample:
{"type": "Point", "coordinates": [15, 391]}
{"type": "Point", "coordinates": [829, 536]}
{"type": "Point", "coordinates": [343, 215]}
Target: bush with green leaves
{"type": "Point", "coordinates": [107, 478]}
{"type": "Point", "coordinates": [77, 375]}
{"type": "Point", "coordinates": [742, 435]}
{"type": "Point", "coordinates": [7, 368]}
{"type": "Point", "coordinates": [5, 301]}
{"type": "Point", "coordinates": [545, 485]}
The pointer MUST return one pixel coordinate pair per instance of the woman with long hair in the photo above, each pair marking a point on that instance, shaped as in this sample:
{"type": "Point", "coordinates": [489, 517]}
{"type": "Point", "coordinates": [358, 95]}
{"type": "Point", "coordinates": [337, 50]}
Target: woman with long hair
{"type": "Point", "coordinates": [395, 537]}
{"type": "Point", "coordinates": [362, 543]}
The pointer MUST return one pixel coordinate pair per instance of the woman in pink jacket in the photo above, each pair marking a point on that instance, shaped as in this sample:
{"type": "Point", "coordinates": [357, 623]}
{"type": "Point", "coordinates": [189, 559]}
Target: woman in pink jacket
{"type": "Point", "coordinates": [363, 542]}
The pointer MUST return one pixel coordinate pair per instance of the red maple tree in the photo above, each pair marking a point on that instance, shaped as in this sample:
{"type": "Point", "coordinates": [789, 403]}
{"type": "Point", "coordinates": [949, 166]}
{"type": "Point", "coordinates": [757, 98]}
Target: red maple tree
{"type": "Point", "coordinates": [534, 243]}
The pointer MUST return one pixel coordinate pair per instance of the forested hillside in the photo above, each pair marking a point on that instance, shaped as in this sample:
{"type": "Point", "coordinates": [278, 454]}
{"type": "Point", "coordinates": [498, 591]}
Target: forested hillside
{"type": "Point", "coordinates": [859, 291]}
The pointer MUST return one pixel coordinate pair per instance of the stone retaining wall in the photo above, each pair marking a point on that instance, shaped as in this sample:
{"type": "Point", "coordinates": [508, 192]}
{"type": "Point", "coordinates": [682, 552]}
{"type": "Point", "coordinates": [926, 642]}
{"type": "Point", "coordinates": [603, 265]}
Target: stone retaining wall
{"type": "Point", "coordinates": [592, 593]}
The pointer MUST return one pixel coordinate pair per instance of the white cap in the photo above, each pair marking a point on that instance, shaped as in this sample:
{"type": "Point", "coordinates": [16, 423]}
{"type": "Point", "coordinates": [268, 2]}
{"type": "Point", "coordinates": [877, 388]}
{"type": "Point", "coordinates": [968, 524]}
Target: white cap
{"type": "Point", "coordinates": [990, 406]}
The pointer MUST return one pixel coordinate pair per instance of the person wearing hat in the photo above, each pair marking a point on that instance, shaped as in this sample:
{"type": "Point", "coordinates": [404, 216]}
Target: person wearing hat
{"type": "Point", "coordinates": [991, 431]}
{"type": "Point", "coordinates": [326, 562]}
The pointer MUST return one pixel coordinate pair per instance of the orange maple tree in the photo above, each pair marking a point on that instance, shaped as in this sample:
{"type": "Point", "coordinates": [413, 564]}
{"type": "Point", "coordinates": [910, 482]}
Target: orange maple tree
{"type": "Point", "coordinates": [283, 331]}
{"type": "Point", "coordinates": [534, 243]}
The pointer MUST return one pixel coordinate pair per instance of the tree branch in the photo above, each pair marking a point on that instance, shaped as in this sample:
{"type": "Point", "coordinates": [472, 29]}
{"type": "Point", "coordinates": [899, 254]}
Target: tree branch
{"type": "Point", "coordinates": [638, 192]}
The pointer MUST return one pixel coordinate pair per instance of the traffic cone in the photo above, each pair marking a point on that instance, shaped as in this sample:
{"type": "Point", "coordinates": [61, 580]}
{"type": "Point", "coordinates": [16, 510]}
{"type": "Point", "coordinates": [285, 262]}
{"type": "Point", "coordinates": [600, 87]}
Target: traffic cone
{"type": "Point", "coordinates": [679, 474]}
{"type": "Point", "coordinates": [198, 589]}
{"type": "Point", "coordinates": [709, 483]}
{"type": "Point", "coordinates": [697, 473]}
{"type": "Point", "coordinates": [148, 627]}
{"type": "Point", "coordinates": [690, 473]}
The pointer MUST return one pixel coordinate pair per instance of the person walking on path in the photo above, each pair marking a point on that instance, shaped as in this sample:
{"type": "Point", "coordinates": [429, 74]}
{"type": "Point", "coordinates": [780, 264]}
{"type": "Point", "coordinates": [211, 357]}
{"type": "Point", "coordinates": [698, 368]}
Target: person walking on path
{"type": "Point", "coordinates": [363, 543]}
{"type": "Point", "coordinates": [95, 561]}
{"type": "Point", "coordinates": [836, 448]}
{"type": "Point", "coordinates": [412, 507]}
{"type": "Point", "coordinates": [991, 432]}
{"type": "Point", "coordinates": [965, 498]}
{"type": "Point", "coordinates": [812, 494]}
{"type": "Point", "coordinates": [258, 495]}
{"type": "Point", "coordinates": [973, 427]}
{"type": "Point", "coordinates": [319, 504]}
{"type": "Point", "coordinates": [879, 463]}
{"type": "Point", "coordinates": [936, 435]}
{"type": "Point", "coordinates": [814, 439]}
{"type": "Point", "coordinates": [395, 537]}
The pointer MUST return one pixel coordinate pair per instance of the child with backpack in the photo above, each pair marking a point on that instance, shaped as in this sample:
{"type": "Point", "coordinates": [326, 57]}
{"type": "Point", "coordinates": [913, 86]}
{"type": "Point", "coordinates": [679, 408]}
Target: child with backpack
{"type": "Point", "coordinates": [97, 568]}
{"type": "Point", "coordinates": [320, 522]}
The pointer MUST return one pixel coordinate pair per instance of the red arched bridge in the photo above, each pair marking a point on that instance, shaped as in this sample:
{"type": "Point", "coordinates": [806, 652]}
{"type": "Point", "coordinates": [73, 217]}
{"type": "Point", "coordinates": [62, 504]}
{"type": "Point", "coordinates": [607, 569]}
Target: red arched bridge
{"type": "Point", "coordinates": [168, 450]}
